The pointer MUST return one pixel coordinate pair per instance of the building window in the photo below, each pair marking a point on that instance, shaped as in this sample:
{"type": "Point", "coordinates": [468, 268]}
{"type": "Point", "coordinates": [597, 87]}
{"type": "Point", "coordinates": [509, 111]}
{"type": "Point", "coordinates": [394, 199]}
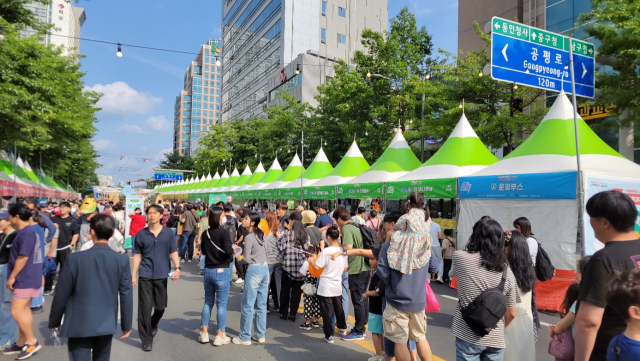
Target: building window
{"type": "Point", "coordinates": [206, 68]}
{"type": "Point", "coordinates": [217, 92]}
{"type": "Point", "coordinates": [324, 8]}
{"type": "Point", "coordinates": [206, 90]}
{"type": "Point", "coordinates": [342, 39]}
{"type": "Point", "coordinates": [323, 35]}
{"type": "Point", "coordinates": [186, 98]}
{"type": "Point", "coordinates": [185, 129]}
{"type": "Point", "coordinates": [185, 136]}
{"type": "Point", "coordinates": [187, 106]}
{"type": "Point", "coordinates": [197, 70]}
{"type": "Point", "coordinates": [206, 83]}
{"type": "Point", "coordinates": [185, 114]}
{"type": "Point", "coordinates": [218, 77]}
{"type": "Point", "coordinates": [342, 12]}
{"type": "Point", "coordinates": [217, 108]}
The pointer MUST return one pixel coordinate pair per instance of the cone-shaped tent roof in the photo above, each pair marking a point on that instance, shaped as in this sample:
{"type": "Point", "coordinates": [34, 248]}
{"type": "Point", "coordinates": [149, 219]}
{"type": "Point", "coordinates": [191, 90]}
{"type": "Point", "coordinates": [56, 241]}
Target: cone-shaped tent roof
{"type": "Point", "coordinates": [222, 182]}
{"type": "Point", "coordinates": [274, 172]}
{"type": "Point", "coordinates": [244, 177]}
{"type": "Point", "coordinates": [396, 161]}
{"type": "Point", "coordinates": [209, 185]}
{"type": "Point", "coordinates": [294, 171]}
{"type": "Point", "coordinates": [552, 148]}
{"type": "Point", "coordinates": [257, 175]}
{"type": "Point", "coordinates": [352, 165]}
{"type": "Point", "coordinates": [195, 185]}
{"type": "Point", "coordinates": [201, 186]}
{"type": "Point", "coordinates": [462, 154]}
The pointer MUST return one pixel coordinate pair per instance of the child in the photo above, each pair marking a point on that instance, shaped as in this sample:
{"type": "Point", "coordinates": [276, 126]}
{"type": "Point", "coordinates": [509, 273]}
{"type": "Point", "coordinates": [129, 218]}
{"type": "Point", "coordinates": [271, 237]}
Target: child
{"type": "Point", "coordinates": [330, 286]}
{"type": "Point", "coordinates": [375, 294]}
{"type": "Point", "coordinates": [624, 296]}
{"type": "Point", "coordinates": [410, 246]}
{"type": "Point", "coordinates": [311, 303]}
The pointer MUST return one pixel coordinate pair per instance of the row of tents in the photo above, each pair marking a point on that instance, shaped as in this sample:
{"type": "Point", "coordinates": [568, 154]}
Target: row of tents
{"type": "Point", "coordinates": [17, 178]}
{"type": "Point", "coordinates": [538, 180]}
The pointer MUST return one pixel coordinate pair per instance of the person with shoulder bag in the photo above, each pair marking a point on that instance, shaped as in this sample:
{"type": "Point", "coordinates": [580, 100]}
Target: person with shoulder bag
{"type": "Point", "coordinates": [448, 247]}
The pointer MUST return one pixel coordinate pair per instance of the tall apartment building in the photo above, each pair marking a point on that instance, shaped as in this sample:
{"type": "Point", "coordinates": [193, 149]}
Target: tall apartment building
{"type": "Point", "coordinates": [262, 37]}
{"type": "Point", "coordinates": [197, 107]}
{"type": "Point", "coordinates": [66, 19]}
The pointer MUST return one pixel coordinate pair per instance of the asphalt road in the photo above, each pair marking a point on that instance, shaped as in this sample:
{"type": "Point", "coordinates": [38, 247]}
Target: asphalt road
{"type": "Point", "coordinates": [177, 338]}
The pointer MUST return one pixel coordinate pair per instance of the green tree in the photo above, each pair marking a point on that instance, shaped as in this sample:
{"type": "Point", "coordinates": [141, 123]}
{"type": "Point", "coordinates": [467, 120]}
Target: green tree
{"type": "Point", "coordinates": [175, 160]}
{"type": "Point", "coordinates": [14, 12]}
{"type": "Point", "coordinates": [616, 25]}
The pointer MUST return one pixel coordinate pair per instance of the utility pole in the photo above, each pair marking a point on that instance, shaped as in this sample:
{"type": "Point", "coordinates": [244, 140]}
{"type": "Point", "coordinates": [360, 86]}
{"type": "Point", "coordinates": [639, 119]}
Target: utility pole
{"type": "Point", "coordinates": [421, 136]}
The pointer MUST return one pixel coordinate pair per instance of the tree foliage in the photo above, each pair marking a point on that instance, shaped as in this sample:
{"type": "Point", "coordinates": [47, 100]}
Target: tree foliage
{"type": "Point", "coordinates": [43, 109]}
{"type": "Point", "coordinates": [616, 25]}
{"type": "Point", "coordinates": [175, 160]}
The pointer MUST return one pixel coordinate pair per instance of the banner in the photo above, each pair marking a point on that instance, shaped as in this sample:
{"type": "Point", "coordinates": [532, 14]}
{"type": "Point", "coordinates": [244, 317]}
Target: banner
{"type": "Point", "coordinates": [215, 198]}
{"type": "Point", "coordinates": [267, 194]}
{"type": "Point", "coordinates": [357, 191]}
{"type": "Point", "coordinates": [599, 183]}
{"type": "Point", "coordinates": [288, 193]}
{"type": "Point", "coordinates": [133, 202]}
{"type": "Point", "coordinates": [431, 188]}
{"type": "Point", "coordinates": [520, 186]}
{"type": "Point", "coordinates": [445, 223]}
{"type": "Point", "coordinates": [323, 192]}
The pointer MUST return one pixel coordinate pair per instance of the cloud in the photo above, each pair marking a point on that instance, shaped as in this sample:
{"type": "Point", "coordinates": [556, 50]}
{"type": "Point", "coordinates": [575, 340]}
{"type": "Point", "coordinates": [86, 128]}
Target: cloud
{"type": "Point", "coordinates": [103, 144]}
{"type": "Point", "coordinates": [163, 153]}
{"type": "Point", "coordinates": [130, 128]}
{"type": "Point", "coordinates": [158, 123]}
{"type": "Point", "coordinates": [120, 98]}
{"type": "Point", "coordinates": [419, 8]}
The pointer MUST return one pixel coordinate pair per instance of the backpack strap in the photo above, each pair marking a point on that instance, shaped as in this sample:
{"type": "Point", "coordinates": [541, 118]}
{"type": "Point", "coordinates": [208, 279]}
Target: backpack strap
{"type": "Point", "coordinates": [504, 279]}
{"type": "Point", "coordinates": [215, 245]}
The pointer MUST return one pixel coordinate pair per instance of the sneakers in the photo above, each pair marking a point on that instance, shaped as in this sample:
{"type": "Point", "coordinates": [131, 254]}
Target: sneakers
{"type": "Point", "coordinates": [182, 260]}
{"type": "Point", "coordinates": [239, 281]}
{"type": "Point", "coordinates": [258, 340]}
{"type": "Point", "coordinates": [439, 280]}
{"type": "Point", "coordinates": [189, 261]}
{"type": "Point", "coordinates": [36, 310]}
{"type": "Point", "coordinates": [305, 326]}
{"type": "Point", "coordinates": [12, 350]}
{"type": "Point", "coordinates": [28, 350]}
{"type": "Point", "coordinates": [238, 341]}
{"type": "Point", "coordinates": [219, 341]}
{"type": "Point", "coordinates": [204, 337]}
{"type": "Point", "coordinates": [375, 358]}
{"type": "Point", "coordinates": [353, 336]}
{"type": "Point", "coordinates": [47, 293]}
{"type": "Point", "coordinates": [315, 324]}
{"type": "Point", "coordinates": [328, 340]}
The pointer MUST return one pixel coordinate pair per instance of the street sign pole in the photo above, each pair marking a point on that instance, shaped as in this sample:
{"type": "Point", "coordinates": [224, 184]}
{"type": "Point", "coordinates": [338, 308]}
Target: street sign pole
{"type": "Point", "coordinates": [580, 185]}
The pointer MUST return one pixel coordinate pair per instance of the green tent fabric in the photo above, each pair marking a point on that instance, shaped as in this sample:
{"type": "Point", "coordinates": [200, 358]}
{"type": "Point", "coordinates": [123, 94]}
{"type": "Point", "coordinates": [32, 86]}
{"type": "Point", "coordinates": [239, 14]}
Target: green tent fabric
{"type": "Point", "coordinates": [224, 178]}
{"type": "Point", "coordinates": [294, 171]}
{"type": "Point", "coordinates": [215, 179]}
{"type": "Point", "coordinates": [257, 175]}
{"type": "Point", "coordinates": [244, 178]}
{"type": "Point", "coordinates": [461, 154]}
{"type": "Point", "coordinates": [318, 169]}
{"type": "Point", "coordinates": [274, 173]}
{"type": "Point", "coordinates": [223, 187]}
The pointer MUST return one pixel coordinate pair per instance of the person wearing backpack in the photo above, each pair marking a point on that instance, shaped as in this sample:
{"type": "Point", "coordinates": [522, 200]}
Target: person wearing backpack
{"type": "Point", "coordinates": [487, 291]}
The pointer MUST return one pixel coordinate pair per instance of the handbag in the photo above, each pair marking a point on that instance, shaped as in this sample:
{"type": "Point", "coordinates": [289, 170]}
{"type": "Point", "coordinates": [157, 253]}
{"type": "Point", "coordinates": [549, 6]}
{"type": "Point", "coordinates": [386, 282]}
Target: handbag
{"type": "Point", "coordinates": [433, 305]}
{"type": "Point", "coordinates": [179, 229]}
{"type": "Point", "coordinates": [562, 346]}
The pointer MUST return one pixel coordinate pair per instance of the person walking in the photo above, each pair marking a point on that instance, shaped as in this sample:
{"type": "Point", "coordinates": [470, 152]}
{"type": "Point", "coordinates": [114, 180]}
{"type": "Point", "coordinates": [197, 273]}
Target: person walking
{"type": "Point", "coordinates": [274, 260]}
{"type": "Point", "coordinates": [62, 244]}
{"type": "Point", "coordinates": [292, 246]}
{"type": "Point", "coordinates": [8, 325]}
{"type": "Point", "coordinates": [436, 235]}
{"type": "Point", "coordinates": [24, 280]}
{"type": "Point", "coordinates": [138, 222]}
{"type": "Point", "coordinates": [448, 247]}
{"type": "Point", "coordinates": [521, 335]}
{"type": "Point", "coordinates": [256, 286]}
{"type": "Point", "coordinates": [217, 249]}
{"type": "Point", "coordinates": [373, 222]}
{"type": "Point", "coordinates": [98, 279]}
{"type": "Point", "coordinates": [478, 268]}
{"type": "Point", "coordinates": [190, 219]}
{"type": "Point", "coordinates": [154, 247]}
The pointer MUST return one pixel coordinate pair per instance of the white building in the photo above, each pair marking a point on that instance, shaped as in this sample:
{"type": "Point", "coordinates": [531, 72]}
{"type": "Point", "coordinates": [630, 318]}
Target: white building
{"type": "Point", "coordinates": [66, 20]}
{"type": "Point", "coordinates": [262, 37]}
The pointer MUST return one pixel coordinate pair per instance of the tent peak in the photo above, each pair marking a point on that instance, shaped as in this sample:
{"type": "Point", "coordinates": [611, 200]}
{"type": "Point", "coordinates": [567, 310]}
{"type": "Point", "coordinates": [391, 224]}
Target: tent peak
{"type": "Point", "coordinates": [463, 129]}
{"type": "Point", "coordinates": [235, 173]}
{"type": "Point", "coordinates": [321, 156]}
{"type": "Point", "coordinates": [247, 170]}
{"type": "Point", "coordinates": [398, 141]}
{"type": "Point", "coordinates": [259, 168]}
{"type": "Point", "coordinates": [354, 151]}
{"type": "Point", "coordinates": [295, 162]}
{"type": "Point", "coordinates": [561, 109]}
{"type": "Point", "coordinates": [276, 164]}
{"type": "Point", "coordinates": [217, 175]}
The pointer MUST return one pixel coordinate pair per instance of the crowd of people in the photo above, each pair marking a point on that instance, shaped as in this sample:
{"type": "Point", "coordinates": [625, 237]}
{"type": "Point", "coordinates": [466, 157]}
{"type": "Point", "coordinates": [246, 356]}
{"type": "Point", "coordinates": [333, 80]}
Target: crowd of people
{"type": "Point", "coordinates": [382, 266]}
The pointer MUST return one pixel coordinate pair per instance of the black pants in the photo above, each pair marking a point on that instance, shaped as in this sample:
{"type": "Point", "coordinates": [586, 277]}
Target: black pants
{"type": "Point", "coordinates": [329, 306]}
{"type": "Point", "coordinates": [151, 294]}
{"type": "Point", "coordinates": [241, 269]}
{"type": "Point", "coordinates": [274, 291]}
{"type": "Point", "coordinates": [80, 348]}
{"type": "Point", "coordinates": [61, 257]}
{"type": "Point", "coordinates": [290, 295]}
{"type": "Point", "coordinates": [48, 282]}
{"type": "Point", "coordinates": [357, 286]}
{"type": "Point", "coordinates": [446, 268]}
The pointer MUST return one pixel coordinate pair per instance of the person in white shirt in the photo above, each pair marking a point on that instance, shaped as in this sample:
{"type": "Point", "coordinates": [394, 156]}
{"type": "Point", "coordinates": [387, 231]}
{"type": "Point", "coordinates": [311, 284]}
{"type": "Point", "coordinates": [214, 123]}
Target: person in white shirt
{"type": "Point", "coordinates": [330, 284]}
{"type": "Point", "coordinates": [359, 218]}
{"type": "Point", "coordinates": [436, 236]}
{"type": "Point", "coordinates": [523, 226]}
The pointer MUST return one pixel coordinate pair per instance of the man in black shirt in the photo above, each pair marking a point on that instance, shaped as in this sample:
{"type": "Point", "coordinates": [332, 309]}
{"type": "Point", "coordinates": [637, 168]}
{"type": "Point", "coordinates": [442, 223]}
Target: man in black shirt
{"type": "Point", "coordinates": [612, 216]}
{"type": "Point", "coordinates": [8, 325]}
{"type": "Point", "coordinates": [62, 244]}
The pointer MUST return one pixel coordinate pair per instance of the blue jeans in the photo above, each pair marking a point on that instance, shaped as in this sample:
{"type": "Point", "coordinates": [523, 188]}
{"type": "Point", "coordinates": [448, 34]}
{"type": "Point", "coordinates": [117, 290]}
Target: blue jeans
{"type": "Point", "coordinates": [201, 261]}
{"type": "Point", "coordinates": [467, 351]}
{"type": "Point", "coordinates": [216, 289]}
{"type": "Point", "coordinates": [186, 241]}
{"type": "Point", "coordinates": [390, 346]}
{"type": "Point", "coordinates": [254, 297]}
{"type": "Point", "coordinates": [345, 298]}
{"type": "Point", "coordinates": [277, 269]}
{"type": "Point", "coordinates": [8, 325]}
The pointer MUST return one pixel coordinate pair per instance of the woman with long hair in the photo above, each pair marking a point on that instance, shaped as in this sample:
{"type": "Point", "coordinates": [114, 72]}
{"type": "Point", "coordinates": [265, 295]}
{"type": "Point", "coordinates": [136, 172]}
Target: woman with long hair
{"type": "Point", "coordinates": [256, 286]}
{"type": "Point", "coordinates": [292, 246]}
{"type": "Point", "coordinates": [217, 249]}
{"type": "Point", "coordinates": [274, 259]}
{"type": "Point", "coordinates": [523, 226]}
{"type": "Point", "coordinates": [479, 267]}
{"type": "Point", "coordinates": [521, 335]}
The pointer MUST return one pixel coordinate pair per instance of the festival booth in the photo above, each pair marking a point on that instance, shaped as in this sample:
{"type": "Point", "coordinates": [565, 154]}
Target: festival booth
{"type": "Point", "coordinates": [318, 169]}
{"type": "Point", "coordinates": [272, 174]}
{"type": "Point", "coordinates": [294, 171]}
{"type": "Point", "coordinates": [221, 183]}
{"type": "Point", "coordinates": [538, 180]}
{"type": "Point", "coordinates": [396, 161]}
{"type": "Point", "coordinates": [350, 166]}
{"type": "Point", "coordinates": [257, 175]}
{"type": "Point", "coordinates": [244, 178]}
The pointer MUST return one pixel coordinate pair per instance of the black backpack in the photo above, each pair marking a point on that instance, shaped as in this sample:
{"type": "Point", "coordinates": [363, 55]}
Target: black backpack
{"type": "Point", "coordinates": [369, 238]}
{"type": "Point", "coordinates": [544, 269]}
{"type": "Point", "coordinates": [230, 226]}
{"type": "Point", "coordinates": [483, 314]}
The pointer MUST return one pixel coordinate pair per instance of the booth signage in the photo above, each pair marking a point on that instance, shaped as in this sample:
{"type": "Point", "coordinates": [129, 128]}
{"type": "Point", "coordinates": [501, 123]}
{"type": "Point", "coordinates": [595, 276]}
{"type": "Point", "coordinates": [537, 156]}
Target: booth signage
{"type": "Point", "coordinates": [357, 191]}
{"type": "Point", "coordinates": [215, 198]}
{"type": "Point", "coordinates": [322, 192]}
{"type": "Point", "coordinates": [519, 186]}
{"type": "Point", "coordinates": [431, 188]}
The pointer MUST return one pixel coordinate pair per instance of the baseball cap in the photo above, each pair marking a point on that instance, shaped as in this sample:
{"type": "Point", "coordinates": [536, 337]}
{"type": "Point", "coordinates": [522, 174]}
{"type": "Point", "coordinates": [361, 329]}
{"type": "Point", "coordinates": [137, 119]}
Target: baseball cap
{"type": "Point", "coordinates": [4, 215]}
{"type": "Point", "coordinates": [296, 216]}
{"type": "Point", "coordinates": [308, 217]}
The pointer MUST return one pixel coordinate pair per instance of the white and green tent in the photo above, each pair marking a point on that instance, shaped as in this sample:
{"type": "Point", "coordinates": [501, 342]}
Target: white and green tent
{"type": "Point", "coordinates": [244, 177]}
{"type": "Point", "coordinates": [462, 154]}
{"type": "Point", "coordinates": [257, 175]}
{"type": "Point", "coordinates": [274, 173]}
{"type": "Point", "coordinates": [293, 171]}
{"type": "Point", "coordinates": [221, 183]}
{"type": "Point", "coordinates": [318, 169]}
{"type": "Point", "coordinates": [352, 165]}
{"type": "Point", "coordinates": [396, 161]}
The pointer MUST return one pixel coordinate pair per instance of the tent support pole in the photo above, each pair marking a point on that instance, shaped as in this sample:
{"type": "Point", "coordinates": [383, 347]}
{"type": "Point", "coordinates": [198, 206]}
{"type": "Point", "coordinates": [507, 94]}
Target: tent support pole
{"type": "Point", "coordinates": [580, 190]}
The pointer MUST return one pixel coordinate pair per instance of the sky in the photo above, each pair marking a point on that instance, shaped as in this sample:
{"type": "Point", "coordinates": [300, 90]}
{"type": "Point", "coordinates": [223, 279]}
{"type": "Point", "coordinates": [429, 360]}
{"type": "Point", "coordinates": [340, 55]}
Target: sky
{"type": "Point", "coordinates": [135, 125]}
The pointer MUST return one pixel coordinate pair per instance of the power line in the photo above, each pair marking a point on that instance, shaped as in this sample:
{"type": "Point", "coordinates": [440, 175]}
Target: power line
{"type": "Point", "coordinates": [130, 45]}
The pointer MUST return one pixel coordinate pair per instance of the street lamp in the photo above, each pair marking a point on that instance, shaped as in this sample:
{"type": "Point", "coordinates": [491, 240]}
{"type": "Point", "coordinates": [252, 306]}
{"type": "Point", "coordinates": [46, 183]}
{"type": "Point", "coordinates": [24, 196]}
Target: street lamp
{"type": "Point", "coordinates": [119, 53]}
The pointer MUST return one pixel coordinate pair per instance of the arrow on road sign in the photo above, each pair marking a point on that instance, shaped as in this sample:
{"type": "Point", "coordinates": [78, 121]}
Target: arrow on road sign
{"type": "Point", "coordinates": [497, 26]}
{"type": "Point", "coordinates": [584, 70]}
{"type": "Point", "coordinates": [504, 53]}
{"type": "Point", "coordinates": [533, 35]}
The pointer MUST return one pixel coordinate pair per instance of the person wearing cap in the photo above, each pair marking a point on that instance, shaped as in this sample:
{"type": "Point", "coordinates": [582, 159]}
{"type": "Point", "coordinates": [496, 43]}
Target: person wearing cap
{"type": "Point", "coordinates": [324, 220]}
{"type": "Point", "coordinates": [315, 238]}
{"type": "Point", "coordinates": [300, 208]}
{"type": "Point", "coordinates": [80, 226]}
{"type": "Point", "coordinates": [8, 325]}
